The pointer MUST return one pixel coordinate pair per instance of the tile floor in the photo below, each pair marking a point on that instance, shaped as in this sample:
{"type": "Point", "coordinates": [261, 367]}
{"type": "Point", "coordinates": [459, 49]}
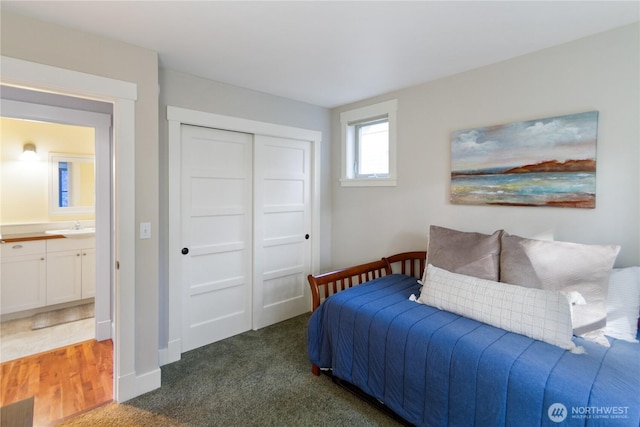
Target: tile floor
{"type": "Point", "coordinates": [18, 340]}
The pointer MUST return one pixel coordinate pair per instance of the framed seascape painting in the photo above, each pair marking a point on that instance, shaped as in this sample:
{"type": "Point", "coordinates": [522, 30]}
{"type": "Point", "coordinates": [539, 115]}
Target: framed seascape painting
{"type": "Point", "coordinates": [544, 162]}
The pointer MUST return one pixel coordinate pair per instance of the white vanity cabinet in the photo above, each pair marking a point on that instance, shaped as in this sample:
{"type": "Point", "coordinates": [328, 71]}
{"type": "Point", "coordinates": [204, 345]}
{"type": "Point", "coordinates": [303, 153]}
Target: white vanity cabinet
{"type": "Point", "coordinates": [89, 272]}
{"type": "Point", "coordinates": [71, 269]}
{"type": "Point", "coordinates": [23, 283]}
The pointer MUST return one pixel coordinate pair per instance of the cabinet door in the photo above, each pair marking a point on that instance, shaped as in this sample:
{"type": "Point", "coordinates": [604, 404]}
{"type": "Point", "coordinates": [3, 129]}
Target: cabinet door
{"type": "Point", "coordinates": [64, 276]}
{"type": "Point", "coordinates": [23, 284]}
{"type": "Point", "coordinates": [88, 273]}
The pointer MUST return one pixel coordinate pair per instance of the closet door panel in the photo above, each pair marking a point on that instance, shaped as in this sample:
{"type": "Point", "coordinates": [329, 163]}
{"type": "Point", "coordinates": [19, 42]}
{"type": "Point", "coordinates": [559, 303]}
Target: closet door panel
{"type": "Point", "coordinates": [216, 229]}
{"type": "Point", "coordinates": [282, 223]}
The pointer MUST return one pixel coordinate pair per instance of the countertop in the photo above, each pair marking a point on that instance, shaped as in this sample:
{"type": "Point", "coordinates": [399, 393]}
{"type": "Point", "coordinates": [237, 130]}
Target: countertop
{"type": "Point", "coordinates": [25, 237]}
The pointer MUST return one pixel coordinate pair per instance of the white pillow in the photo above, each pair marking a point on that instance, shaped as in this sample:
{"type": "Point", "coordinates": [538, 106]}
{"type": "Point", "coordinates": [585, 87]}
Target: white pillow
{"type": "Point", "coordinates": [567, 267]}
{"type": "Point", "coordinates": [623, 303]}
{"type": "Point", "coordinates": [537, 313]}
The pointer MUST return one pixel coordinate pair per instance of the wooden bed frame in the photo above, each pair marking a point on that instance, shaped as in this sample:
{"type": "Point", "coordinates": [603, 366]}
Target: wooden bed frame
{"type": "Point", "coordinates": [327, 284]}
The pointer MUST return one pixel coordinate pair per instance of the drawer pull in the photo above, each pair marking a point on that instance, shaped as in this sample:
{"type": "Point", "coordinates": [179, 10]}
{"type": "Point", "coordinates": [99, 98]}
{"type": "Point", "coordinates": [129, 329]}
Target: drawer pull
{"type": "Point", "coordinates": [16, 247]}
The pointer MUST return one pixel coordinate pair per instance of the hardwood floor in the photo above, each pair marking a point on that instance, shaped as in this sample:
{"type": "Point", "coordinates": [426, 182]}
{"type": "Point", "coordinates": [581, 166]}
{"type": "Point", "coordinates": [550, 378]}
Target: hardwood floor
{"type": "Point", "coordinates": [64, 382]}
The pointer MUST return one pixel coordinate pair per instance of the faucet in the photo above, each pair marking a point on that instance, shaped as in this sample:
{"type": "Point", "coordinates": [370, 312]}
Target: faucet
{"type": "Point", "coordinates": [76, 225]}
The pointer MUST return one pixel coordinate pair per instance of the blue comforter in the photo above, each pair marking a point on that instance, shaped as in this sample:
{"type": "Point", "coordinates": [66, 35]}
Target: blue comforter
{"type": "Point", "coordinates": [435, 368]}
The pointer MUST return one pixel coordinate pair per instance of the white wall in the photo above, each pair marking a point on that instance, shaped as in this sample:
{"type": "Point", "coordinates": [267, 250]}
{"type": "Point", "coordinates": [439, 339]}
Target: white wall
{"type": "Point", "coordinates": [178, 89]}
{"type": "Point", "coordinates": [596, 73]}
{"type": "Point", "coordinates": [40, 42]}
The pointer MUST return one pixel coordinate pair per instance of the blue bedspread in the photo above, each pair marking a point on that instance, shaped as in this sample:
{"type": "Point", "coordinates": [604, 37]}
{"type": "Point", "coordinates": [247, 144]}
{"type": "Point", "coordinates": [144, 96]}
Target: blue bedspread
{"type": "Point", "coordinates": [435, 368]}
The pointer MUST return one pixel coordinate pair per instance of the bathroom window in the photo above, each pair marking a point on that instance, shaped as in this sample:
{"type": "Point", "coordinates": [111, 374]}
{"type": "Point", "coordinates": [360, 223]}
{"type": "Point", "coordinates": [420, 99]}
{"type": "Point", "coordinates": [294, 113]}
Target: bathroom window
{"type": "Point", "coordinates": [71, 184]}
{"type": "Point", "coordinates": [63, 184]}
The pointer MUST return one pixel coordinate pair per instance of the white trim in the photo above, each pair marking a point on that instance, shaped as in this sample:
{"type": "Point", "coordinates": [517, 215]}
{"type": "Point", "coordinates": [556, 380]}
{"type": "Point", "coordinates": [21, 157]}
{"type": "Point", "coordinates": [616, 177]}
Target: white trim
{"type": "Point", "coordinates": [104, 242]}
{"type": "Point", "coordinates": [367, 182]}
{"type": "Point", "coordinates": [171, 353]}
{"type": "Point", "coordinates": [386, 109]}
{"type": "Point", "coordinates": [199, 118]}
{"type": "Point", "coordinates": [16, 72]}
{"type": "Point", "coordinates": [104, 330]}
{"type": "Point", "coordinates": [48, 113]}
{"type": "Point", "coordinates": [135, 385]}
{"type": "Point", "coordinates": [174, 295]}
{"type": "Point", "coordinates": [177, 117]}
{"type": "Point", "coordinates": [125, 251]}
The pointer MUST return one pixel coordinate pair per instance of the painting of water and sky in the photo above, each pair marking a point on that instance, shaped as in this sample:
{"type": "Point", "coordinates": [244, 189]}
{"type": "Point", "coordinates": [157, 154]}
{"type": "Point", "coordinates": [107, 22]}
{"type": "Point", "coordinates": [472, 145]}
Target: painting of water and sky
{"type": "Point", "coordinates": [544, 162]}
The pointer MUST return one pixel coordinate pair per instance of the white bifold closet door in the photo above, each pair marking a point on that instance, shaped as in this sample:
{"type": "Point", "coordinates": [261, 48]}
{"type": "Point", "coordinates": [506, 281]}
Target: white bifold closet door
{"type": "Point", "coordinates": [245, 221]}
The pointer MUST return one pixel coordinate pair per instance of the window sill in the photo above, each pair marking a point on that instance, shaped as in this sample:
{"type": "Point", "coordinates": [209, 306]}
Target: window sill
{"type": "Point", "coordinates": [368, 182]}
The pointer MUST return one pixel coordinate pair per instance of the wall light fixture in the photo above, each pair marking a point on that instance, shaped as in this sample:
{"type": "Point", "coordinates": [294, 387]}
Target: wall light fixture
{"type": "Point", "coordinates": [29, 152]}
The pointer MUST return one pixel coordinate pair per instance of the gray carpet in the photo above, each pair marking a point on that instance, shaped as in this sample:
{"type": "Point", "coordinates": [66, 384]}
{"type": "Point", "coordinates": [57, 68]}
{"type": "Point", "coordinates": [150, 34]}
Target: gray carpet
{"type": "Point", "coordinates": [259, 378]}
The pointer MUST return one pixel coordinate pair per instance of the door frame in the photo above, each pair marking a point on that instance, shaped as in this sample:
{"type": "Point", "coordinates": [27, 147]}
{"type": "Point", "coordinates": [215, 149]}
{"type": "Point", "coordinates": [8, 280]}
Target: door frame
{"type": "Point", "coordinates": [176, 117]}
{"type": "Point", "coordinates": [46, 78]}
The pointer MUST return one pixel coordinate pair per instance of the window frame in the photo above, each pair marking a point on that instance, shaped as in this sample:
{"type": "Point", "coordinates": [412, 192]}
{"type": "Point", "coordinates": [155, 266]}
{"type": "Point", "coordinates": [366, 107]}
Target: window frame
{"type": "Point", "coordinates": [358, 151]}
{"type": "Point", "coordinates": [75, 184]}
{"type": "Point", "coordinates": [349, 121]}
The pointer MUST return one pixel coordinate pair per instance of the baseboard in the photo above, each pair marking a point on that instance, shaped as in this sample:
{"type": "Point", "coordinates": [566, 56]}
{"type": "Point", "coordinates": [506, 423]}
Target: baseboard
{"type": "Point", "coordinates": [170, 354]}
{"type": "Point", "coordinates": [131, 385]}
{"type": "Point", "coordinates": [103, 330]}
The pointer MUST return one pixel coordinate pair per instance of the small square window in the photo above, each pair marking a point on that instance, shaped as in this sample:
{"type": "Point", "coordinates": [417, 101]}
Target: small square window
{"type": "Point", "coordinates": [368, 141]}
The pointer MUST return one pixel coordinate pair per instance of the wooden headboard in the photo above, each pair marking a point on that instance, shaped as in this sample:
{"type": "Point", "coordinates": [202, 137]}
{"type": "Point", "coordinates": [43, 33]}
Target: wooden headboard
{"type": "Point", "coordinates": [327, 284]}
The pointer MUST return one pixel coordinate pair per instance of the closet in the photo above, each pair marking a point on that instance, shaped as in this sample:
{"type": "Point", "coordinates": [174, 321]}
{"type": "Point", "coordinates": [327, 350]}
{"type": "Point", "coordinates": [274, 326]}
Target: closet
{"type": "Point", "coordinates": [245, 231]}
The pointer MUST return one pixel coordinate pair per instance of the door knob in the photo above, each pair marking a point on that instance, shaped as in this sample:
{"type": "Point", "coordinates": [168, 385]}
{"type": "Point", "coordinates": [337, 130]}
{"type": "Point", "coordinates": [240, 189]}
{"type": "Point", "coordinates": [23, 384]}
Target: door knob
{"type": "Point", "coordinates": [185, 251]}
{"type": "Point", "coordinates": [306, 236]}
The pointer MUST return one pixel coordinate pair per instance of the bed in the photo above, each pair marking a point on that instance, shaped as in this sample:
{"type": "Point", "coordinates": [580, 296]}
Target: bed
{"type": "Point", "coordinates": [430, 366]}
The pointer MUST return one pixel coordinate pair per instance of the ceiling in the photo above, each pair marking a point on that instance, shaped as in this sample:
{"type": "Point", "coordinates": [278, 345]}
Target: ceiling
{"type": "Point", "coordinates": [332, 53]}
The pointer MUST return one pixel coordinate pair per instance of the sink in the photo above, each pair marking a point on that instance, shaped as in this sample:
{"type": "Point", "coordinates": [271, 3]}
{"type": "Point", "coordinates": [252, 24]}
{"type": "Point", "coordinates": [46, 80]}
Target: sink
{"type": "Point", "coordinates": [73, 232]}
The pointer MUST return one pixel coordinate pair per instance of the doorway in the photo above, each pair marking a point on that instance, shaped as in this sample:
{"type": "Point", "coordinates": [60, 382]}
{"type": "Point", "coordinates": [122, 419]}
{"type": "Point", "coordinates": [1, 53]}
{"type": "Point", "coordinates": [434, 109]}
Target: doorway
{"type": "Point", "coordinates": [48, 286]}
{"type": "Point", "coordinates": [64, 132]}
{"type": "Point", "coordinates": [44, 78]}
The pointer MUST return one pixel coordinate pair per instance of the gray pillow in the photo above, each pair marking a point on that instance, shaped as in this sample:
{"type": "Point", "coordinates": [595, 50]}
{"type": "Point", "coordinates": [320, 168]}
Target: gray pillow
{"type": "Point", "coordinates": [565, 267]}
{"type": "Point", "coordinates": [472, 254]}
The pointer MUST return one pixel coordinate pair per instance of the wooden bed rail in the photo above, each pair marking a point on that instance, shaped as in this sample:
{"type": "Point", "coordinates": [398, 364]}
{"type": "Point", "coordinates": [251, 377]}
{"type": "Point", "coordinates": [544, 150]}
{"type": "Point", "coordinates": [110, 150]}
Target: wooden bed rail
{"type": "Point", "coordinates": [327, 284]}
{"type": "Point", "coordinates": [410, 263]}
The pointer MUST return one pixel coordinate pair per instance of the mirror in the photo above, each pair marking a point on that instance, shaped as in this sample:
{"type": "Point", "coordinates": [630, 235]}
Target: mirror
{"type": "Point", "coordinates": [71, 184]}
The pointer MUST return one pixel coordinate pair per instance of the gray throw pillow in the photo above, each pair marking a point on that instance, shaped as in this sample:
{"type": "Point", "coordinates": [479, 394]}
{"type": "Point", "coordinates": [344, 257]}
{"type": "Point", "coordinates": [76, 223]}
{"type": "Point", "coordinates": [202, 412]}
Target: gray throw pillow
{"type": "Point", "coordinates": [469, 253]}
{"type": "Point", "coordinates": [566, 267]}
